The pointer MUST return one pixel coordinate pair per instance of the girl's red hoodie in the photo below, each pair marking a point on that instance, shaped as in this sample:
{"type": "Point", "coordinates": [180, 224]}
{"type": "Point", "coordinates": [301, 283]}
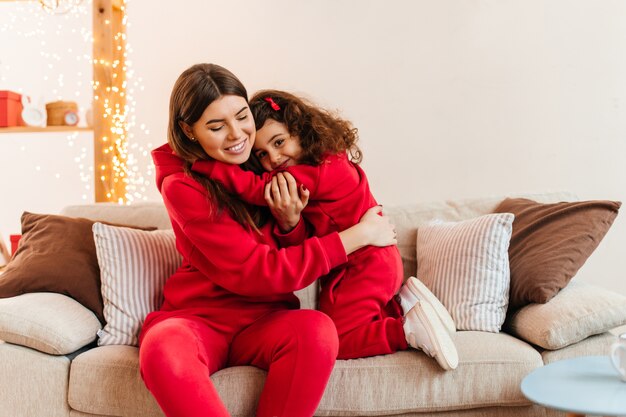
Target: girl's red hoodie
{"type": "Point", "coordinates": [231, 274]}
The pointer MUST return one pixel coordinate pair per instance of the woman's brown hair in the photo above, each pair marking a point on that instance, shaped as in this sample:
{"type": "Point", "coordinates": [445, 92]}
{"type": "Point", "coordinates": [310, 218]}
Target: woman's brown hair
{"type": "Point", "coordinates": [321, 132]}
{"type": "Point", "coordinates": [196, 88]}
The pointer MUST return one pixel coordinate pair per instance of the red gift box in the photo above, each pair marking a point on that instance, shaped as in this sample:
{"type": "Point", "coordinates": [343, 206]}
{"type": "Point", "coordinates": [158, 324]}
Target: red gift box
{"type": "Point", "coordinates": [15, 239]}
{"type": "Point", "coordinates": [10, 109]}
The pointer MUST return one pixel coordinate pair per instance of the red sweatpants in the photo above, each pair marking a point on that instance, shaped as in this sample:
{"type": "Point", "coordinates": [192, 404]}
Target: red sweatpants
{"type": "Point", "coordinates": [297, 347]}
{"type": "Point", "coordinates": [360, 299]}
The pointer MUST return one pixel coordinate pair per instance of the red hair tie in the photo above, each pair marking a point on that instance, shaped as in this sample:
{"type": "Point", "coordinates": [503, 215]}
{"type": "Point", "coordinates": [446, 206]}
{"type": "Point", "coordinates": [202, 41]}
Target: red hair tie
{"type": "Point", "coordinates": [272, 103]}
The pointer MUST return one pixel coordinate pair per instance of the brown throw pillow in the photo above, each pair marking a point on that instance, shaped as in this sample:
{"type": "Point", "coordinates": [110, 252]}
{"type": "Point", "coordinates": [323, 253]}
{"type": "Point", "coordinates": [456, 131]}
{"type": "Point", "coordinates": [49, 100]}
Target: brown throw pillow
{"type": "Point", "coordinates": [55, 254]}
{"type": "Point", "coordinates": [550, 242]}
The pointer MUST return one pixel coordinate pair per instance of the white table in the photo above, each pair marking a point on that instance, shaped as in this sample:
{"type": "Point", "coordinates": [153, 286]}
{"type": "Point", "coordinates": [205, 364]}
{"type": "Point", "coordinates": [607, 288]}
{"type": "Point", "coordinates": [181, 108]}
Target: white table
{"type": "Point", "coordinates": [578, 386]}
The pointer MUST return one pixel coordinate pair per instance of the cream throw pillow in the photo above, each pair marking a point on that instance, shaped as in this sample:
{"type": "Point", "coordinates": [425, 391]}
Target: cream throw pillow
{"type": "Point", "coordinates": [48, 322]}
{"type": "Point", "coordinates": [466, 265]}
{"type": "Point", "coordinates": [578, 311]}
{"type": "Point", "coordinates": [134, 265]}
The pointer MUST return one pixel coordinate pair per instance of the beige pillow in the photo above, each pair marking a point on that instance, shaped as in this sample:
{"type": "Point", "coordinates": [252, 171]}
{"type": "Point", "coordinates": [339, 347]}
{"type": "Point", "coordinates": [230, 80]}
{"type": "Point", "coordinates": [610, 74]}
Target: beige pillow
{"type": "Point", "coordinates": [578, 311]}
{"type": "Point", "coordinates": [134, 266]}
{"type": "Point", "coordinates": [49, 322]}
{"type": "Point", "coordinates": [466, 265]}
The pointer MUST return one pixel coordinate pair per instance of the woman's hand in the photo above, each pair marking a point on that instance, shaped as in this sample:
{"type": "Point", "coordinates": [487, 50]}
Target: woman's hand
{"type": "Point", "coordinates": [379, 228]}
{"type": "Point", "coordinates": [284, 200]}
{"type": "Point", "coordinates": [373, 229]}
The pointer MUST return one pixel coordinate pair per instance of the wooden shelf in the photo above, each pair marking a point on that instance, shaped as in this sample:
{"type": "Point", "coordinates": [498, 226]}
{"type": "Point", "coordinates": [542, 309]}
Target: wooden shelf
{"type": "Point", "coordinates": [29, 129]}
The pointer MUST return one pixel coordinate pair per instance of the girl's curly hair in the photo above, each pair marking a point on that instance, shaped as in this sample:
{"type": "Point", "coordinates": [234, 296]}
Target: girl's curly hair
{"type": "Point", "coordinates": [320, 131]}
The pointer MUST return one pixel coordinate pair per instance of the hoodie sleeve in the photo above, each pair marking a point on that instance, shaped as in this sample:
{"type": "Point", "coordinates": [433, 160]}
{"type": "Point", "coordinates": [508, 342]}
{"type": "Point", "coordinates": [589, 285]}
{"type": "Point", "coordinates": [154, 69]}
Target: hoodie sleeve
{"type": "Point", "coordinates": [246, 184]}
{"type": "Point", "coordinates": [324, 181]}
{"type": "Point", "coordinates": [238, 259]}
{"type": "Point", "coordinates": [294, 237]}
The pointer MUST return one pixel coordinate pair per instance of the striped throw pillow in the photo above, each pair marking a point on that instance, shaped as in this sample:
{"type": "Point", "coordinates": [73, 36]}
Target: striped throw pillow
{"type": "Point", "coordinates": [134, 265]}
{"type": "Point", "coordinates": [466, 265]}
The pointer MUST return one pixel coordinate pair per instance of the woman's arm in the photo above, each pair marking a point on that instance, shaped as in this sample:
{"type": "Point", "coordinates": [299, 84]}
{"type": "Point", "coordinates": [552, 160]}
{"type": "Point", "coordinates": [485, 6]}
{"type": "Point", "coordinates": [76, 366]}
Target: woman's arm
{"type": "Point", "coordinates": [237, 258]}
{"type": "Point", "coordinates": [241, 261]}
{"type": "Point", "coordinates": [373, 229]}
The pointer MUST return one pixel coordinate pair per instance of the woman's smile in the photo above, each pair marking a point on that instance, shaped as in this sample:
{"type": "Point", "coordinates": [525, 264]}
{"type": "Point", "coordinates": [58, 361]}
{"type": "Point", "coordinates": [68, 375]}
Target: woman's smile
{"type": "Point", "coordinates": [238, 148]}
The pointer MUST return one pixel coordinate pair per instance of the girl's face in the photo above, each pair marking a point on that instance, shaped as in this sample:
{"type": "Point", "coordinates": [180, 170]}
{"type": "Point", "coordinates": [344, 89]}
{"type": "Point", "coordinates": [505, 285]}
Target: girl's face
{"type": "Point", "coordinates": [275, 147]}
{"type": "Point", "coordinates": [225, 130]}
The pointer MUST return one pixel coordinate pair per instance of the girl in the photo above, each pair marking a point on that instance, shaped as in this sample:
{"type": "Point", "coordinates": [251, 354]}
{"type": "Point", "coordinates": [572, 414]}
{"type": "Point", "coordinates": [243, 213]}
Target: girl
{"type": "Point", "coordinates": [320, 151]}
{"type": "Point", "coordinates": [231, 302]}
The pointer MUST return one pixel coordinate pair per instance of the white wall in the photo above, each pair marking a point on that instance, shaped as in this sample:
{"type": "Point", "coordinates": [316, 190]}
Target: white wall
{"type": "Point", "coordinates": [453, 99]}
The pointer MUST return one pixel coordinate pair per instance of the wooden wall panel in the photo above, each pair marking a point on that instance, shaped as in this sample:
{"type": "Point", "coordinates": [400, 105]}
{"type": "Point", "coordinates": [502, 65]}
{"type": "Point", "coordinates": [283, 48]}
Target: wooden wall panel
{"type": "Point", "coordinates": [109, 101]}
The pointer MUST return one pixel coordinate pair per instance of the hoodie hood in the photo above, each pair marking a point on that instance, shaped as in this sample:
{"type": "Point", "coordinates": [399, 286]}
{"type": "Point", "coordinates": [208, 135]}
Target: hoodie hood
{"type": "Point", "coordinates": [166, 162]}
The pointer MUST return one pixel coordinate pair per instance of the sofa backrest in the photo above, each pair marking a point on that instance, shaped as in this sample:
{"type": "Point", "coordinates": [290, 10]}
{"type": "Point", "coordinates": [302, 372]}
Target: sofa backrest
{"type": "Point", "coordinates": [144, 214]}
{"type": "Point", "coordinates": [407, 219]}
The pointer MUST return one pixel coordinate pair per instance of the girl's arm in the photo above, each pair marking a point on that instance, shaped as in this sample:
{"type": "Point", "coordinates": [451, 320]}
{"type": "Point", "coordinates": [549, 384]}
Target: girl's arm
{"type": "Point", "coordinates": [323, 181]}
{"type": "Point", "coordinates": [246, 184]}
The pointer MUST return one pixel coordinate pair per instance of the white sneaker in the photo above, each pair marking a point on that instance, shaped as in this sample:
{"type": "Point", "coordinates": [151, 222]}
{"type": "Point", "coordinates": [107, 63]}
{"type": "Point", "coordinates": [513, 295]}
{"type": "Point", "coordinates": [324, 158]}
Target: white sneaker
{"type": "Point", "coordinates": [414, 290]}
{"type": "Point", "coordinates": [423, 330]}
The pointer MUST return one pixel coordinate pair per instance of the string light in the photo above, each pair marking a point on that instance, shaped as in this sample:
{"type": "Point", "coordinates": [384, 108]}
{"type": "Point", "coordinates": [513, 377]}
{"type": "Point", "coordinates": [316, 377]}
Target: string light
{"type": "Point", "coordinates": [126, 183]}
{"type": "Point", "coordinates": [139, 166]}
{"type": "Point", "coordinates": [59, 6]}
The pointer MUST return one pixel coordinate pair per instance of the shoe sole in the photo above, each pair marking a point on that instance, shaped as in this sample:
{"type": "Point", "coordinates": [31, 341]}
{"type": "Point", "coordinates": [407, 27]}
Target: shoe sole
{"type": "Point", "coordinates": [445, 352]}
{"type": "Point", "coordinates": [418, 288]}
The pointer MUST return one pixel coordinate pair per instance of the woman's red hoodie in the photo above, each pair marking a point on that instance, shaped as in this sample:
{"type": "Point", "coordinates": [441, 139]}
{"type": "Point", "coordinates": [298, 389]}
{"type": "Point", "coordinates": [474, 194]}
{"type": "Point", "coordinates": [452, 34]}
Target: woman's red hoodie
{"type": "Point", "coordinates": [230, 274]}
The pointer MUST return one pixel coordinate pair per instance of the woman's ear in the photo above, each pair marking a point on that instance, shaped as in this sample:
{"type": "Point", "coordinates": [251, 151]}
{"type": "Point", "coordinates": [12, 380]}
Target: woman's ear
{"type": "Point", "coordinates": [186, 129]}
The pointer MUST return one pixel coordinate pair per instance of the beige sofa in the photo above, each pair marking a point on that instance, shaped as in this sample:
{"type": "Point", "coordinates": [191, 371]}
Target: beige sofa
{"type": "Point", "coordinates": [40, 377]}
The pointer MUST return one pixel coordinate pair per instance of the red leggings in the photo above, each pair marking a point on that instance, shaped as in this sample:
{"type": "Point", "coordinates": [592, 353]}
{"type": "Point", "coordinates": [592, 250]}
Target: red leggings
{"type": "Point", "coordinates": [360, 300]}
{"type": "Point", "coordinates": [297, 347]}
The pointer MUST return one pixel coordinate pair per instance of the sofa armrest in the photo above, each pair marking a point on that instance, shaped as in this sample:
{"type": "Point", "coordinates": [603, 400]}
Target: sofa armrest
{"type": "Point", "coordinates": [49, 322]}
{"type": "Point", "coordinates": [575, 313]}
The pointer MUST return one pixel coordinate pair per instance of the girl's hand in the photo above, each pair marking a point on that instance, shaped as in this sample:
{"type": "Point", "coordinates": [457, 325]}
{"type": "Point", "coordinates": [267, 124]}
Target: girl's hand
{"type": "Point", "coordinates": [378, 227]}
{"type": "Point", "coordinates": [284, 200]}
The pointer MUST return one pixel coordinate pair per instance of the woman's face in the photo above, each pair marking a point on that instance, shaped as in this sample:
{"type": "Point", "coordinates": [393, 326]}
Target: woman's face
{"type": "Point", "coordinates": [275, 147]}
{"type": "Point", "coordinates": [225, 130]}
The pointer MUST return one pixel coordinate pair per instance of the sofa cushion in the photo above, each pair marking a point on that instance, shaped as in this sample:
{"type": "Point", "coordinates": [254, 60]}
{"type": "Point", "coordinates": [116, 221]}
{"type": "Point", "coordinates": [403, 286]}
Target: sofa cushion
{"type": "Point", "coordinates": [32, 383]}
{"type": "Point", "coordinates": [491, 368]}
{"type": "Point", "coordinates": [106, 381]}
{"type": "Point", "coordinates": [577, 312]}
{"type": "Point", "coordinates": [466, 265]}
{"type": "Point", "coordinates": [550, 242]}
{"type": "Point", "coordinates": [48, 322]}
{"type": "Point", "coordinates": [598, 345]}
{"type": "Point", "coordinates": [134, 266]}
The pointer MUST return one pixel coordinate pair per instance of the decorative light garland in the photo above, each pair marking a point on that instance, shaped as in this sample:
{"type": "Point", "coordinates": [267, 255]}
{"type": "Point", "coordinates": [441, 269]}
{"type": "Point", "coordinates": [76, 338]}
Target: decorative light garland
{"type": "Point", "coordinates": [59, 6]}
{"type": "Point", "coordinates": [124, 163]}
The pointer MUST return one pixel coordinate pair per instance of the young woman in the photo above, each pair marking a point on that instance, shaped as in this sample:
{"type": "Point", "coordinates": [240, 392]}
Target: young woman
{"type": "Point", "coordinates": [319, 149]}
{"type": "Point", "coordinates": [231, 302]}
